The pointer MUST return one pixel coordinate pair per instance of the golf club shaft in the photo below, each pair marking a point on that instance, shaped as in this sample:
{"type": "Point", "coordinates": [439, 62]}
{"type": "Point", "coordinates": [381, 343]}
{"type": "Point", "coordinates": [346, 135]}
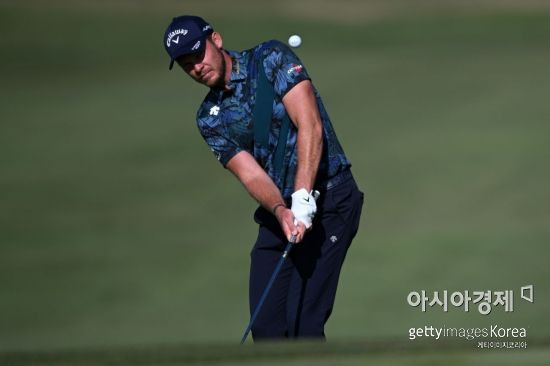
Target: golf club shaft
{"type": "Point", "coordinates": [268, 287]}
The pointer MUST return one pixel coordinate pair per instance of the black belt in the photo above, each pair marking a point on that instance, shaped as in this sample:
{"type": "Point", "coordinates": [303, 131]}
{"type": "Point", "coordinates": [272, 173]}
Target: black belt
{"type": "Point", "coordinates": [328, 184]}
{"type": "Point", "coordinates": [334, 181]}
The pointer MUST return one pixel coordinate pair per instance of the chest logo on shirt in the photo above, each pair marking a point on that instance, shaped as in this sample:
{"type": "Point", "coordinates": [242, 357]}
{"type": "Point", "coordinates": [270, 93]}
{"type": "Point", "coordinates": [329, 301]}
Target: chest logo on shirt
{"type": "Point", "coordinates": [214, 110]}
{"type": "Point", "coordinates": [295, 68]}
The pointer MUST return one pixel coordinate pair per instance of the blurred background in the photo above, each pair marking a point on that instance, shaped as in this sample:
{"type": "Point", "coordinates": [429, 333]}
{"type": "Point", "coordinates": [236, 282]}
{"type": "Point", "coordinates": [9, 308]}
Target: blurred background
{"type": "Point", "coordinates": [119, 230]}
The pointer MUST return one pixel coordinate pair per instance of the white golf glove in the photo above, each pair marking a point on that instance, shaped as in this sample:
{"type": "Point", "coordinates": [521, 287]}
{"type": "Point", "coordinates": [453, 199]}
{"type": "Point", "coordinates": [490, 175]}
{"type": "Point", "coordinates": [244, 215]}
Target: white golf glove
{"type": "Point", "coordinates": [304, 206]}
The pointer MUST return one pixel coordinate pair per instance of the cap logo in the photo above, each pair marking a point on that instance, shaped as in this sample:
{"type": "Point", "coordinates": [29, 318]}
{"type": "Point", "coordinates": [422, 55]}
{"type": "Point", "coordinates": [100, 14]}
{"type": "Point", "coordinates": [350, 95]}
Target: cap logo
{"type": "Point", "coordinates": [206, 27]}
{"type": "Point", "coordinates": [172, 34]}
{"type": "Point", "coordinates": [196, 46]}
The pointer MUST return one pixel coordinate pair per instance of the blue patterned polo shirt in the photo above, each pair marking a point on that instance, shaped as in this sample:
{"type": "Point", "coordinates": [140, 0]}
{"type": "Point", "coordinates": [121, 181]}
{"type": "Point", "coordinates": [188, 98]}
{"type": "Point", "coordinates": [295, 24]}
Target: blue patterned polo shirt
{"type": "Point", "coordinates": [226, 124]}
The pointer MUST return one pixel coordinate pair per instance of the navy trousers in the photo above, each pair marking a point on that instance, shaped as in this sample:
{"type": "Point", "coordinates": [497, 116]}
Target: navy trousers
{"type": "Point", "coordinates": [301, 299]}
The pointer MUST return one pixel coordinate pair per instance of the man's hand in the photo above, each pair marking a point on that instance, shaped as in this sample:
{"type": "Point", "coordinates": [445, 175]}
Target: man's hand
{"type": "Point", "coordinates": [304, 206]}
{"type": "Point", "coordinates": [287, 221]}
{"type": "Point", "coordinates": [261, 187]}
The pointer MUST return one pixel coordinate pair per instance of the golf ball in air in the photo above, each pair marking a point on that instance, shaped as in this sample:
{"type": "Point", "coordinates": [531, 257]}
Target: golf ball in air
{"type": "Point", "coordinates": [295, 40]}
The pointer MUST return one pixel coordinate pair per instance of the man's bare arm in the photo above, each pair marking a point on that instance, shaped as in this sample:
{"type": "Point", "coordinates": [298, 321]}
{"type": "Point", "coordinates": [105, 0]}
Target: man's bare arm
{"type": "Point", "coordinates": [301, 106]}
{"type": "Point", "coordinates": [262, 188]}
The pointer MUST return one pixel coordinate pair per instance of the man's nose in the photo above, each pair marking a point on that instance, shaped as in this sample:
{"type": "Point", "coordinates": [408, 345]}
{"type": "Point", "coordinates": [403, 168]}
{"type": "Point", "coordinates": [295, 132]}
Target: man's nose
{"type": "Point", "coordinates": [198, 67]}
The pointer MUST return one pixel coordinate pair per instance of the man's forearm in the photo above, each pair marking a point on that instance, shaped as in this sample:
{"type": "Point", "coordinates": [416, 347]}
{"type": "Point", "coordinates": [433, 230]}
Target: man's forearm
{"type": "Point", "coordinates": [301, 106]}
{"type": "Point", "coordinates": [256, 181]}
{"type": "Point", "coordinates": [265, 192]}
{"type": "Point", "coordinates": [309, 149]}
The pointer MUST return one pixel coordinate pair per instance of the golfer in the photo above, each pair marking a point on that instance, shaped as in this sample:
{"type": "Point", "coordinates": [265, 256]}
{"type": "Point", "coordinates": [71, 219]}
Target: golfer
{"type": "Point", "coordinates": [265, 122]}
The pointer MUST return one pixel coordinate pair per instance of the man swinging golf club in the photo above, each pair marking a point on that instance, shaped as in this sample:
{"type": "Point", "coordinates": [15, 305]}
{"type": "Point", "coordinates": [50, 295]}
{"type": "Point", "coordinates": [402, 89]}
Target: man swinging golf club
{"type": "Point", "coordinates": [266, 123]}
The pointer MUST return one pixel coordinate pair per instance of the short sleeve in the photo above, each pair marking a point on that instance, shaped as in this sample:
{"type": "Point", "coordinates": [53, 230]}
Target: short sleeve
{"type": "Point", "coordinates": [223, 147]}
{"type": "Point", "coordinates": [282, 67]}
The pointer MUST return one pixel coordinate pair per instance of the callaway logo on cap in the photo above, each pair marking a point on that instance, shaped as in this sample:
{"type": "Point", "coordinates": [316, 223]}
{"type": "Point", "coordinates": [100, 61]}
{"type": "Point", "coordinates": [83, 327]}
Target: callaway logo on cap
{"type": "Point", "coordinates": [186, 34]}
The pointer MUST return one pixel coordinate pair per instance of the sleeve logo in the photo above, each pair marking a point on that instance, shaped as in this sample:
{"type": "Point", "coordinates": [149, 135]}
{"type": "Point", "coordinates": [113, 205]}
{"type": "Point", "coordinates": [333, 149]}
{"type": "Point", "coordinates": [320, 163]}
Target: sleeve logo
{"type": "Point", "coordinates": [295, 68]}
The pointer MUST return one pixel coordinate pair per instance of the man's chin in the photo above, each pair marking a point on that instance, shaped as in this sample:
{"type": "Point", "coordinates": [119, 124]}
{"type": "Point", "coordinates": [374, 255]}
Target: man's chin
{"type": "Point", "coordinates": [214, 83]}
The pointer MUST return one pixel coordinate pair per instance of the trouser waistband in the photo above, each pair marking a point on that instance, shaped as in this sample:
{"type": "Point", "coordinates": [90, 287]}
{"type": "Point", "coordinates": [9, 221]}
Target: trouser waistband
{"type": "Point", "coordinates": [334, 181]}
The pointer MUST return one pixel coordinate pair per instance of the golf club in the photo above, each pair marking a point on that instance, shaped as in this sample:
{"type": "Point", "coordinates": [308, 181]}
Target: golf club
{"type": "Point", "coordinates": [268, 287]}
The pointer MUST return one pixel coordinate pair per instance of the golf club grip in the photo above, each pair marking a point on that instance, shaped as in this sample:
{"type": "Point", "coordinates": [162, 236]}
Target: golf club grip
{"type": "Point", "coordinates": [268, 287]}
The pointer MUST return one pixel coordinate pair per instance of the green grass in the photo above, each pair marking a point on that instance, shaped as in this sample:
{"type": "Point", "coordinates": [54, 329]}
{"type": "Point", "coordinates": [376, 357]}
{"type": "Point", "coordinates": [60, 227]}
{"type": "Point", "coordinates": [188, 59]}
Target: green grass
{"type": "Point", "coordinates": [304, 353]}
{"type": "Point", "coordinates": [119, 229]}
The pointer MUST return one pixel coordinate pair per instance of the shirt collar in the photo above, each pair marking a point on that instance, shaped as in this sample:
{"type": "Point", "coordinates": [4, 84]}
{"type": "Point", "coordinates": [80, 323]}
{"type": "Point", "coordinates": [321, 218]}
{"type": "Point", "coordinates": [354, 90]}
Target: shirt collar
{"type": "Point", "coordinates": [239, 70]}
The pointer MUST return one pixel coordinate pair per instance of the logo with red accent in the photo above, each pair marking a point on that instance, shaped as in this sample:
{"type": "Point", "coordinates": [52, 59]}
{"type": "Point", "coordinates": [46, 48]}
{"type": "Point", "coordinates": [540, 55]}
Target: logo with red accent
{"type": "Point", "coordinates": [295, 69]}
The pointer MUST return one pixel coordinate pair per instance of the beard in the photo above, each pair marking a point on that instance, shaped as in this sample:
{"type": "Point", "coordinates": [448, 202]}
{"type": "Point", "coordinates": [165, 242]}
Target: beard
{"type": "Point", "coordinates": [219, 81]}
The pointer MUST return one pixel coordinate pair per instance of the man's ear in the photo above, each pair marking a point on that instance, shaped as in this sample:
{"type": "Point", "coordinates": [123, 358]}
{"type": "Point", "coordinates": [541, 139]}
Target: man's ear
{"type": "Point", "coordinates": [217, 40]}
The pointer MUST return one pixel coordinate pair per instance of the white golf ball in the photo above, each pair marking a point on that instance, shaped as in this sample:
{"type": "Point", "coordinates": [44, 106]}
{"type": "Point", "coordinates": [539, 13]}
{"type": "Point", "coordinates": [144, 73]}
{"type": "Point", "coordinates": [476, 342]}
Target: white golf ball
{"type": "Point", "coordinates": [295, 40]}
